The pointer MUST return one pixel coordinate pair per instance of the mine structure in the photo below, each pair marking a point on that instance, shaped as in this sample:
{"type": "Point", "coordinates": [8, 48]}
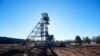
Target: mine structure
{"type": "Point", "coordinates": [39, 37]}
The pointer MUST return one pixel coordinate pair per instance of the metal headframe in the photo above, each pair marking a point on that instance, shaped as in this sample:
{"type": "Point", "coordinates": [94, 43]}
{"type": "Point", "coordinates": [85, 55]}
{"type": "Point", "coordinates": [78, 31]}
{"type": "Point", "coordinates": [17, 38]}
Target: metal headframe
{"type": "Point", "coordinates": [41, 30]}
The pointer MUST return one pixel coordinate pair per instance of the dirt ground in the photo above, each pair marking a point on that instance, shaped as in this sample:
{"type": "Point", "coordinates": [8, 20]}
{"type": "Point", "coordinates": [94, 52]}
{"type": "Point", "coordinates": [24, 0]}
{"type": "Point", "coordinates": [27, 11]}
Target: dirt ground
{"type": "Point", "coordinates": [59, 51]}
{"type": "Point", "coordinates": [84, 51]}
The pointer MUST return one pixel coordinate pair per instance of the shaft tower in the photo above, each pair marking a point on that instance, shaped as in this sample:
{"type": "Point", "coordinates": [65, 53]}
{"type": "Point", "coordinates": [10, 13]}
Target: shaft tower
{"type": "Point", "coordinates": [40, 32]}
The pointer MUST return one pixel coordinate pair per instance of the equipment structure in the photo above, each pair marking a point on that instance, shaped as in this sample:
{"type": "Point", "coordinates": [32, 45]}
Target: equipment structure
{"type": "Point", "coordinates": [40, 33]}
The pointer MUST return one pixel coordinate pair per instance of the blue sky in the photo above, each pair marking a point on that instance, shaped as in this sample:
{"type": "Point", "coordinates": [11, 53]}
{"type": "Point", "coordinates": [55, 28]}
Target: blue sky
{"type": "Point", "coordinates": [68, 18]}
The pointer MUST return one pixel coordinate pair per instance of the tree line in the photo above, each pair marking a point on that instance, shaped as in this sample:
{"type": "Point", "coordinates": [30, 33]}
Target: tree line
{"type": "Point", "coordinates": [87, 40]}
{"type": "Point", "coordinates": [8, 40]}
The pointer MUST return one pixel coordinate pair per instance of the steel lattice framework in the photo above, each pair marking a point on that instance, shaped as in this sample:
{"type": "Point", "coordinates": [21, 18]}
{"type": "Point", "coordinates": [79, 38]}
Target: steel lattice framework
{"type": "Point", "coordinates": [40, 31]}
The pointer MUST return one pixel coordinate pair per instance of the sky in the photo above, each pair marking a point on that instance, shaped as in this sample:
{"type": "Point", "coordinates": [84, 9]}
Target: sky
{"type": "Point", "coordinates": [68, 18]}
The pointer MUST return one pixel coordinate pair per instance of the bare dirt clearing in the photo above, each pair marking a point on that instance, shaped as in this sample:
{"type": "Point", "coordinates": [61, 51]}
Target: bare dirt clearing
{"type": "Point", "coordinates": [72, 51]}
{"type": "Point", "coordinates": [84, 51]}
